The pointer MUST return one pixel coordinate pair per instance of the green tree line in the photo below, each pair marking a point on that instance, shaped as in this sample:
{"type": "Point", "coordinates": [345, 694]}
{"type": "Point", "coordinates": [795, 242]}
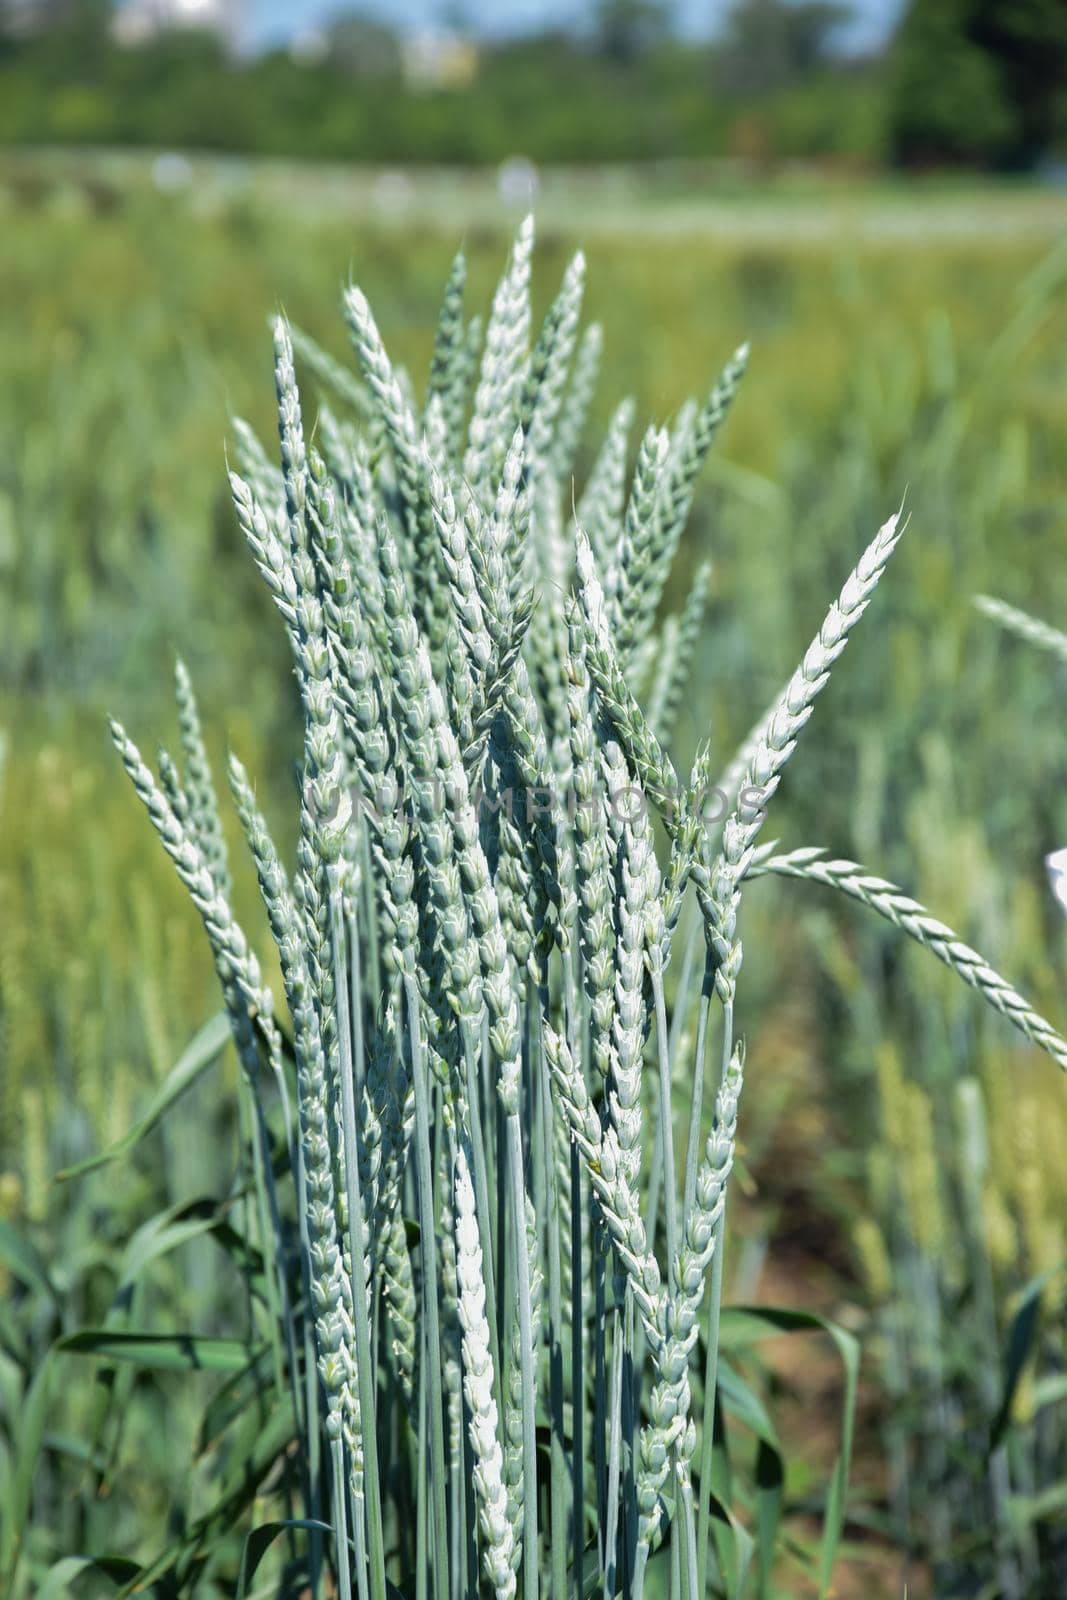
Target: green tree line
{"type": "Point", "coordinates": [971, 81]}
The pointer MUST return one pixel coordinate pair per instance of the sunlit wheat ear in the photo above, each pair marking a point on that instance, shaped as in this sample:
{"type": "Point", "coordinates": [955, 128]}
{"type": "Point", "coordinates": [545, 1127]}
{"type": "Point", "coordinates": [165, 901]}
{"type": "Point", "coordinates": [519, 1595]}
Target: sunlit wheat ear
{"type": "Point", "coordinates": [713, 1177]}
{"type": "Point", "coordinates": [528, 745]}
{"type": "Point", "coordinates": [775, 745]}
{"type": "Point", "coordinates": [439, 754]}
{"type": "Point", "coordinates": [457, 402]}
{"type": "Point", "coordinates": [290, 436]}
{"type": "Point", "coordinates": [330, 1285]}
{"type": "Point", "coordinates": [576, 402]}
{"type": "Point", "coordinates": [683, 470]}
{"type": "Point", "coordinates": [429, 596]}
{"type": "Point", "coordinates": [618, 1203]}
{"type": "Point", "coordinates": [497, 398]}
{"type": "Point", "coordinates": [262, 474]}
{"type": "Point", "coordinates": [249, 1001]}
{"type": "Point", "coordinates": [498, 540]}
{"type": "Point", "coordinates": [596, 929]}
{"type": "Point", "coordinates": [398, 1287]}
{"type": "Point", "coordinates": [915, 920]}
{"type": "Point", "coordinates": [631, 600]}
{"type": "Point", "coordinates": [552, 558]}
{"type": "Point", "coordinates": [600, 506]}
{"type": "Point", "coordinates": [513, 1421]}
{"type": "Point", "coordinates": [675, 652]}
{"type": "Point", "coordinates": [407, 663]}
{"type": "Point", "coordinates": [549, 367]}
{"type": "Point", "coordinates": [669, 1321]}
{"type": "Point", "coordinates": [617, 704]}
{"type": "Point", "coordinates": [447, 360]}
{"type": "Point", "coordinates": [203, 803]}
{"type": "Point", "coordinates": [467, 612]}
{"type": "Point", "coordinates": [388, 395]}
{"type": "Point", "coordinates": [638, 892]}
{"type": "Point", "coordinates": [498, 987]}
{"type": "Point", "coordinates": [355, 676]}
{"type": "Point", "coordinates": [498, 1537]}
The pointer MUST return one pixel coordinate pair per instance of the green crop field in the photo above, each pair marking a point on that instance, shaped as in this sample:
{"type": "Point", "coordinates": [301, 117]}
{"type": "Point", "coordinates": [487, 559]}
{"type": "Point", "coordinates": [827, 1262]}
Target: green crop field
{"type": "Point", "coordinates": [899, 1167]}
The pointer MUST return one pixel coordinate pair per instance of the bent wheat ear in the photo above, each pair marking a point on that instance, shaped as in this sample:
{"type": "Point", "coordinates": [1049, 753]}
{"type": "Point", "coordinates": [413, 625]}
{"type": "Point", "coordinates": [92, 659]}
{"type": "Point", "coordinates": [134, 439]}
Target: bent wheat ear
{"type": "Point", "coordinates": [915, 920]}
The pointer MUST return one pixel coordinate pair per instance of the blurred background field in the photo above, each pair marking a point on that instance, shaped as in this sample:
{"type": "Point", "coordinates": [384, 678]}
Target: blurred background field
{"type": "Point", "coordinates": [903, 1165]}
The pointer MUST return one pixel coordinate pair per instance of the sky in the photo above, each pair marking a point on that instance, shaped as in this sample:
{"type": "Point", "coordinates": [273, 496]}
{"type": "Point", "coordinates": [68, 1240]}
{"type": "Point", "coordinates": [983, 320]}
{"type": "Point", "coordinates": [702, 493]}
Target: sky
{"type": "Point", "coordinates": [269, 22]}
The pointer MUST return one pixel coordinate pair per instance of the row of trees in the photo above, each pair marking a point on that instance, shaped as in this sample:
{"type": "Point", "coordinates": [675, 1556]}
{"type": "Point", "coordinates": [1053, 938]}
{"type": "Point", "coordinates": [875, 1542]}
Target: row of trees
{"type": "Point", "coordinates": [980, 81]}
{"type": "Point", "coordinates": [973, 81]}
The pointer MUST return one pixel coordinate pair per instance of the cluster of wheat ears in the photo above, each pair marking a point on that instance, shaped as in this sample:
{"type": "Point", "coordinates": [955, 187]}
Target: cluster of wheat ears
{"type": "Point", "coordinates": [499, 1256]}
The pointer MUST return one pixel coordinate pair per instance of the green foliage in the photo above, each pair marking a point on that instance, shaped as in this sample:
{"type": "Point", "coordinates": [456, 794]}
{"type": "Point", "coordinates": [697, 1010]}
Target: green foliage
{"type": "Point", "coordinates": [630, 92]}
{"type": "Point", "coordinates": [628, 29]}
{"type": "Point", "coordinates": [769, 44]}
{"type": "Point", "coordinates": [971, 82]}
{"type": "Point", "coordinates": [979, 81]}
